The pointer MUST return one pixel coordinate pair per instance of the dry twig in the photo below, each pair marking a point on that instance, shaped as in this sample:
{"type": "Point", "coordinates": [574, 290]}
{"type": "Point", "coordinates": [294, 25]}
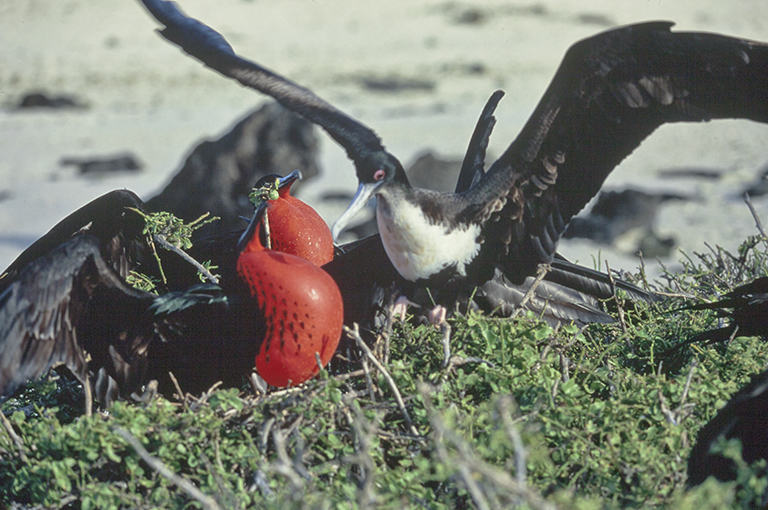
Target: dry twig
{"type": "Point", "coordinates": [758, 223]}
{"type": "Point", "coordinates": [14, 437]}
{"type": "Point", "coordinates": [158, 465]}
{"type": "Point", "coordinates": [540, 274]}
{"type": "Point", "coordinates": [355, 335]}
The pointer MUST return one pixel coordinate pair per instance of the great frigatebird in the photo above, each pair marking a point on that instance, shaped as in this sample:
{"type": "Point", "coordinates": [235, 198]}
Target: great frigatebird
{"type": "Point", "coordinates": [611, 91]}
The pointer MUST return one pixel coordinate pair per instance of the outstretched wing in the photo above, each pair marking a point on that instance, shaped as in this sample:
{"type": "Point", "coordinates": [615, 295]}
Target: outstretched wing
{"type": "Point", "coordinates": [106, 218]}
{"type": "Point", "coordinates": [48, 317]}
{"type": "Point", "coordinates": [610, 92]}
{"type": "Point", "coordinates": [210, 47]}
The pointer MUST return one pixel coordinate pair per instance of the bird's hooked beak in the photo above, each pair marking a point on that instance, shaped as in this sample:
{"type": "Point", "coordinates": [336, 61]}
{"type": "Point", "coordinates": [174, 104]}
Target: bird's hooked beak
{"type": "Point", "coordinates": [288, 179]}
{"type": "Point", "coordinates": [363, 194]}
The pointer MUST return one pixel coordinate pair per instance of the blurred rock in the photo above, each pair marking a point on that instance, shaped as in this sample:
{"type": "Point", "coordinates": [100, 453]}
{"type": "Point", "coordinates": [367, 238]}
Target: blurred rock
{"type": "Point", "coordinates": [42, 100]}
{"type": "Point", "coordinates": [218, 176]}
{"type": "Point", "coordinates": [652, 246]}
{"type": "Point", "coordinates": [396, 84]}
{"type": "Point", "coordinates": [713, 174]}
{"type": "Point", "coordinates": [617, 212]}
{"type": "Point", "coordinates": [105, 165]}
{"type": "Point", "coordinates": [432, 172]}
{"type": "Point", "coordinates": [759, 187]}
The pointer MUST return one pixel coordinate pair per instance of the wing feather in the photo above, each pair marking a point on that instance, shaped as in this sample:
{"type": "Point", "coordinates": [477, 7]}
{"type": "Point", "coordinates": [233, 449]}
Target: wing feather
{"type": "Point", "coordinates": [208, 46]}
{"type": "Point", "coordinates": [610, 92]}
{"type": "Point", "coordinates": [42, 311]}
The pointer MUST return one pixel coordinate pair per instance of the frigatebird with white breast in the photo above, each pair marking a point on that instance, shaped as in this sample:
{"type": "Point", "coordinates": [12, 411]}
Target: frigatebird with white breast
{"type": "Point", "coordinates": [611, 91]}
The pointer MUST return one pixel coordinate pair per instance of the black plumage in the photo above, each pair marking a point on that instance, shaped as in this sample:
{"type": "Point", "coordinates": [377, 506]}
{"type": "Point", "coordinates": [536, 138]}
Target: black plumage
{"type": "Point", "coordinates": [744, 417]}
{"type": "Point", "coordinates": [65, 301]}
{"type": "Point", "coordinates": [746, 308]}
{"type": "Point", "coordinates": [68, 306]}
{"type": "Point", "coordinates": [568, 292]}
{"type": "Point", "coordinates": [108, 219]}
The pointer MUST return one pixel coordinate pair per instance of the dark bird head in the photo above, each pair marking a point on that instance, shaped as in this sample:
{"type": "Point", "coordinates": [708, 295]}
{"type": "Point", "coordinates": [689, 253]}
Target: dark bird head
{"type": "Point", "coordinates": [375, 170]}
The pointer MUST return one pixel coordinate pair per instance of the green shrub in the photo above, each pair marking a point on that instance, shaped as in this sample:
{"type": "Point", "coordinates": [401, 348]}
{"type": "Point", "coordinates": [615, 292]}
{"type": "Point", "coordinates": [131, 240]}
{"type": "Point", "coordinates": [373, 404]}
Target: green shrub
{"type": "Point", "coordinates": [523, 415]}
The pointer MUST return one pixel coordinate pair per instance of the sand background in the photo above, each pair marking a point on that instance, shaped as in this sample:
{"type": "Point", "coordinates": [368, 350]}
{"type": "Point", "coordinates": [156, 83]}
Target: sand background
{"type": "Point", "coordinates": [147, 98]}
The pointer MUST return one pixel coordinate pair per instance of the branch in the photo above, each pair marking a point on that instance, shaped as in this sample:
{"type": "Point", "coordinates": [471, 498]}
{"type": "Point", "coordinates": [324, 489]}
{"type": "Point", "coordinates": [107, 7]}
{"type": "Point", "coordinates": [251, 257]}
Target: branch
{"type": "Point", "coordinates": [156, 464]}
{"type": "Point", "coordinates": [540, 274]}
{"type": "Point", "coordinates": [160, 239]}
{"type": "Point", "coordinates": [758, 223]}
{"type": "Point", "coordinates": [355, 334]}
{"type": "Point", "coordinates": [14, 437]}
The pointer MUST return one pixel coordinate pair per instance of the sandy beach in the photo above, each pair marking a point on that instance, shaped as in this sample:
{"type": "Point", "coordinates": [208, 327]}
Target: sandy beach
{"type": "Point", "coordinates": [143, 96]}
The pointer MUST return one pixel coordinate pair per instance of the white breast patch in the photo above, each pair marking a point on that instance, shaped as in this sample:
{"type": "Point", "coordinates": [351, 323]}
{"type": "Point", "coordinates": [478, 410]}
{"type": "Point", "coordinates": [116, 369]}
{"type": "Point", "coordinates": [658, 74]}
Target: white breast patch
{"type": "Point", "coordinates": [419, 249]}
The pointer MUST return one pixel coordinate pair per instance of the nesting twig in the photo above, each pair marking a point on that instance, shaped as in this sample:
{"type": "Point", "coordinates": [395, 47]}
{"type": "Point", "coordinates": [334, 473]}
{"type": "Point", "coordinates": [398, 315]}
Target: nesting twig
{"type": "Point", "coordinates": [688, 382]}
{"type": "Point", "coordinates": [457, 361]}
{"type": "Point", "coordinates": [505, 405]}
{"type": "Point", "coordinates": [14, 437]}
{"type": "Point", "coordinates": [666, 411]}
{"type": "Point", "coordinates": [172, 234]}
{"type": "Point", "coordinates": [355, 335]}
{"type": "Point", "coordinates": [445, 328]}
{"type": "Point", "coordinates": [473, 471]}
{"type": "Point", "coordinates": [363, 430]}
{"type": "Point", "coordinates": [284, 465]}
{"type": "Point", "coordinates": [386, 332]}
{"type": "Point", "coordinates": [158, 465]}
{"type": "Point", "coordinates": [162, 241]}
{"type": "Point", "coordinates": [758, 223]}
{"type": "Point", "coordinates": [368, 380]}
{"type": "Point", "coordinates": [540, 274]}
{"type": "Point", "coordinates": [177, 387]}
{"type": "Point", "coordinates": [620, 308]}
{"type": "Point", "coordinates": [267, 230]}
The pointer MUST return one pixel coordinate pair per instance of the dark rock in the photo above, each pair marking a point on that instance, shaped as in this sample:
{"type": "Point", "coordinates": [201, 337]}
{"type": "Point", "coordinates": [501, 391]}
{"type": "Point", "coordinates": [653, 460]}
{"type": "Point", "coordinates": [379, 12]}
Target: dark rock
{"type": "Point", "coordinates": [218, 176]}
{"type": "Point", "coordinates": [432, 172]}
{"type": "Point", "coordinates": [106, 165]}
{"type": "Point", "coordinates": [759, 187]}
{"type": "Point", "coordinates": [42, 100]}
{"type": "Point", "coordinates": [470, 16]}
{"type": "Point", "coordinates": [694, 173]}
{"type": "Point", "coordinates": [591, 18]}
{"type": "Point", "coordinates": [396, 84]}
{"type": "Point", "coordinates": [652, 246]}
{"type": "Point", "coordinates": [617, 212]}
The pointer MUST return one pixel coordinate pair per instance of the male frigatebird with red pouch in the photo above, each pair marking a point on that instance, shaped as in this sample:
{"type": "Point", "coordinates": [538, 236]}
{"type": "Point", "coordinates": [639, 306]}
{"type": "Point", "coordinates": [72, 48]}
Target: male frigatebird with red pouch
{"type": "Point", "coordinates": [65, 301]}
{"type": "Point", "coordinates": [302, 306]}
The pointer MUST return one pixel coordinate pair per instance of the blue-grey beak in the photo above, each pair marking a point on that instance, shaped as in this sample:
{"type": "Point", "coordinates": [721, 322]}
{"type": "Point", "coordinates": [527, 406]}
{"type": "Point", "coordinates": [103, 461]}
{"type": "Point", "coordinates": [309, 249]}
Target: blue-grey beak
{"type": "Point", "coordinates": [364, 192]}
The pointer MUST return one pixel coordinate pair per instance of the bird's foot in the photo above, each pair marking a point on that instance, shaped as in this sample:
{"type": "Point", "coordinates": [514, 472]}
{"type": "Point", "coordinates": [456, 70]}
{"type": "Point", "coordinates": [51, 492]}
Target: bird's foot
{"type": "Point", "coordinates": [436, 316]}
{"type": "Point", "coordinates": [146, 396]}
{"type": "Point", "coordinates": [400, 307]}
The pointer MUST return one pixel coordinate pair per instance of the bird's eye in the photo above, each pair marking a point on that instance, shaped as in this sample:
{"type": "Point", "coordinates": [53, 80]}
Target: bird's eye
{"type": "Point", "coordinates": [379, 174]}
